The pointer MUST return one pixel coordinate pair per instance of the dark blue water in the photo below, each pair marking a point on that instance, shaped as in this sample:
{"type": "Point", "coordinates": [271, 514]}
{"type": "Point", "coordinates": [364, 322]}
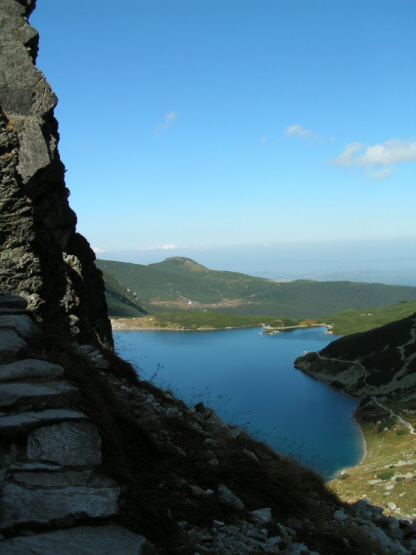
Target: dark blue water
{"type": "Point", "coordinates": [249, 379]}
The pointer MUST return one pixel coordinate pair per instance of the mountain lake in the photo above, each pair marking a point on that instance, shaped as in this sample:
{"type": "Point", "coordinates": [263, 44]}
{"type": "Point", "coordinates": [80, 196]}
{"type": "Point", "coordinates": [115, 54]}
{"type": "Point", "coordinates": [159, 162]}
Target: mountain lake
{"type": "Point", "coordinates": [249, 379]}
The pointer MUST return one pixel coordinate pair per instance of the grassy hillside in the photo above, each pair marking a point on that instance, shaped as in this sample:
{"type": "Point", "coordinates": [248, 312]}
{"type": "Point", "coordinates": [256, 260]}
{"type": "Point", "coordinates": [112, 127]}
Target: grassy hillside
{"type": "Point", "coordinates": [196, 320]}
{"type": "Point", "coordinates": [378, 367]}
{"type": "Point", "coordinates": [182, 284]}
{"type": "Point", "coordinates": [351, 321]}
{"type": "Point", "coordinates": [121, 302]}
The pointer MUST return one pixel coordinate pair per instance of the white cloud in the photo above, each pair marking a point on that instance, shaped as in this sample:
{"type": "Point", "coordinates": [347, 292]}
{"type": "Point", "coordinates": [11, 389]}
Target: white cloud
{"type": "Point", "coordinates": [299, 132]}
{"type": "Point", "coordinates": [201, 248]}
{"type": "Point", "coordinates": [159, 247]}
{"type": "Point", "coordinates": [392, 152]}
{"type": "Point", "coordinates": [168, 122]}
{"type": "Point", "coordinates": [98, 250]}
{"type": "Point", "coordinates": [263, 140]}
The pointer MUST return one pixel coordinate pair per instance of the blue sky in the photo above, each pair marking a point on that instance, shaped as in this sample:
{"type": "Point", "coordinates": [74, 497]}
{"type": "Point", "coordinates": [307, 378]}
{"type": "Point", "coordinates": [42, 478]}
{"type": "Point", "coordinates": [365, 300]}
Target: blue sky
{"type": "Point", "coordinates": [195, 127]}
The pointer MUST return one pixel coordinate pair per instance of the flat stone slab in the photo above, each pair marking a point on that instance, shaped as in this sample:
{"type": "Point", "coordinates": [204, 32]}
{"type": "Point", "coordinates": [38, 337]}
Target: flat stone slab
{"type": "Point", "coordinates": [4, 311]}
{"type": "Point", "coordinates": [22, 324]}
{"type": "Point", "coordinates": [30, 368]}
{"type": "Point", "coordinates": [35, 467]}
{"type": "Point", "coordinates": [12, 346]}
{"type": "Point", "coordinates": [84, 540]}
{"type": "Point", "coordinates": [68, 444]}
{"type": "Point", "coordinates": [21, 506]}
{"type": "Point", "coordinates": [71, 478]}
{"type": "Point", "coordinates": [26, 421]}
{"type": "Point", "coordinates": [7, 300]}
{"type": "Point", "coordinates": [37, 396]}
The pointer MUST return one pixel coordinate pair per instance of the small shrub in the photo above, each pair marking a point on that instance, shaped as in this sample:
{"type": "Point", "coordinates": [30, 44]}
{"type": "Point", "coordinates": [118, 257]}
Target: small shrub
{"type": "Point", "coordinates": [386, 475]}
{"type": "Point", "coordinates": [388, 423]}
{"type": "Point", "coordinates": [403, 432]}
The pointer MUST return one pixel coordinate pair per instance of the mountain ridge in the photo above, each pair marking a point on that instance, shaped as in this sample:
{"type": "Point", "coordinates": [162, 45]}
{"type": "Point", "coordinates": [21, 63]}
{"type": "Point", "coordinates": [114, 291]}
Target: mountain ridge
{"type": "Point", "coordinates": [179, 283]}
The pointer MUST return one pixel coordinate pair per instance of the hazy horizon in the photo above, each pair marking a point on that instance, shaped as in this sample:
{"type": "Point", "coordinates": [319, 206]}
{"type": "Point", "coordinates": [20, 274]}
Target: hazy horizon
{"type": "Point", "coordinates": [288, 258]}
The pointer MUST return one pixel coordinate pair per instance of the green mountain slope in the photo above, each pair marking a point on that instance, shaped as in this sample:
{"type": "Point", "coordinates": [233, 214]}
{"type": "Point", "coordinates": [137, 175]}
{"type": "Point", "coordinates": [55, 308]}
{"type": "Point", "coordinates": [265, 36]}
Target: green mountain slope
{"type": "Point", "coordinates": [180, 283]}
{"type": "Point", "coordinates": [121, 302]}
{"type": "Point", "coordinates": [378, 367]}
{"type": "Point", "coordinates": [381, 361]}
{"type": "Point", "coordinates": [351, 321]}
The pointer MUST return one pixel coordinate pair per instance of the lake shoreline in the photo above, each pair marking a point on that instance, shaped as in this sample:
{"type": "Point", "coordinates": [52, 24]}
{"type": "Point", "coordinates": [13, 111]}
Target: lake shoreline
{"type": "Point", "coordinates": [124, 324]}
{"type": "Point", "coordinates": [261, 401]}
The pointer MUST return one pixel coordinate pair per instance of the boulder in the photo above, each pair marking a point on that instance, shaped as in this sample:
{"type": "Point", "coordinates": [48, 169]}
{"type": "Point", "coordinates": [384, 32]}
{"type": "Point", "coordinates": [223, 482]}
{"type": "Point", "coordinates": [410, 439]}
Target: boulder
{"type": "Point", "coordinates": [22, 324]}
{"type": "Point", "coordinates": [29, 368]}
{"type": "Point", "coordinates": [37, 396]}
{"type": "Point", "coordinates": [10, 426]}
{"type": "Point", "coordinates": [68, 443]}
{"type": "Point", "coordinates": [227, 497]}
{"type": "Point", "coordinates": [21, 506]}
{"type": "Point", "coordinates": [83, 540]}
{"type": "Point", "coordinates": [12, 346]}
{"type": "Point", "coordinates": [9, 301]}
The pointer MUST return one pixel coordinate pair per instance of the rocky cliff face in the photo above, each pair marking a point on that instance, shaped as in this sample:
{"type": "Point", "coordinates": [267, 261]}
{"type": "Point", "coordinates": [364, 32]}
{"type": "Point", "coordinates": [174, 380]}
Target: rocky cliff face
{"type": "Point", "coordinates": [42, 257]}
{"type": "Point", "coordinates": [380, 362]}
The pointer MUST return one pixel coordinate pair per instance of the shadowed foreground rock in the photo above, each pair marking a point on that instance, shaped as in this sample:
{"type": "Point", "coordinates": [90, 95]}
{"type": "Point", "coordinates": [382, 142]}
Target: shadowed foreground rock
{"type": "Point", "coordinates": [50, 456]}
{"type": "Point", "coordinates": [42, 258]}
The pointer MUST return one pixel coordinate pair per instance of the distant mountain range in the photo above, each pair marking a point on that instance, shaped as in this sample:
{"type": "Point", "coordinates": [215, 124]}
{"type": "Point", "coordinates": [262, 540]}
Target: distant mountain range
{"type": "Point", "coordinates": [179, 283]}
{"type": "Point", "coordinates": [389, 277]}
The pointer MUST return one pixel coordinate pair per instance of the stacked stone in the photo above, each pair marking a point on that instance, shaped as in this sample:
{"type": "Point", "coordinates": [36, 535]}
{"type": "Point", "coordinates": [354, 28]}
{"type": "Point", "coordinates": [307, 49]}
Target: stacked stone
{"type": "Point", "coordinates": [50, 455]}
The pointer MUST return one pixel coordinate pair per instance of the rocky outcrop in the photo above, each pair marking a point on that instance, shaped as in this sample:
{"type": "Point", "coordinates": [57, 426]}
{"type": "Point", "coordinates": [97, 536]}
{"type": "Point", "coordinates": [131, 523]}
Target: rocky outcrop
{"type": "Point", "coordinates": [42, 257]}
{"type": "Point", "coordinates": [380, 362]}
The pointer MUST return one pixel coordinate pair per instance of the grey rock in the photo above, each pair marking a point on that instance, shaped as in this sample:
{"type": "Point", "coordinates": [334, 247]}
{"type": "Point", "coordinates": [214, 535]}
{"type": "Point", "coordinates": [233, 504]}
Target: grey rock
{"type": "Point", "coordinates": [256, 534]}
{"type": "Point", "coordinates": [38, 223]}
{"type": "Point", "coordinates": [12, 346]}
{"type": "Point", "coordinates": [227, 497]}
{"type": "Point", "coordinates": [340, 515]}
{"type": "Point", "coordinates": [7, 300]}
{"type": "Point", "coordinates": [84, 478]}
{"type": "Point", "coordinates": [240, 547]}
{"type": "Point", "coordinates": [7, 311]}
{"type": "Point", "coordinates": [102, 364]}
{"type": "Point", "coordinates": [199, 492]}
{"type": "Point", "coordinates": [22, 324]}
{"type": "Point", "coordinates": [24, 506]}
{"type": "Point", "coordinates": [34, 152]}
{"type": "Point", "coordinates": [274, 540]}
{"type": "Point", "coordinates": [298, 549]}
{"type": "Point", "coordinates": [38, 396]}
{"type": "Point", "coordinates": [232, 529]}
{"type": "Point", "coordinates": [87, 349]}
{"type": "Point", "coordinates": [240, 433]}
{"type": "Point", "coordinates": [262, 516]}
{"type": "Point", "coordinates": [68, 443]}
{"type": "Point", "coordinates": [28, 369]}
{"type": "Point", "coordinates": [35, 467]}
{"type": "Point", "coordinates": [83, 540]}
{"type": "Point", "coordinates": [393, 546]}
{"type": "Point", "coordinates": [24, 422]}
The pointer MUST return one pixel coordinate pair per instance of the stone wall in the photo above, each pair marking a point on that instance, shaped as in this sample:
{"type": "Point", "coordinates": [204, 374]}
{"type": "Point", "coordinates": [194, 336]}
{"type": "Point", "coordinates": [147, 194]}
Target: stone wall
{"type": "Point", "coordinates": [42, 257]}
